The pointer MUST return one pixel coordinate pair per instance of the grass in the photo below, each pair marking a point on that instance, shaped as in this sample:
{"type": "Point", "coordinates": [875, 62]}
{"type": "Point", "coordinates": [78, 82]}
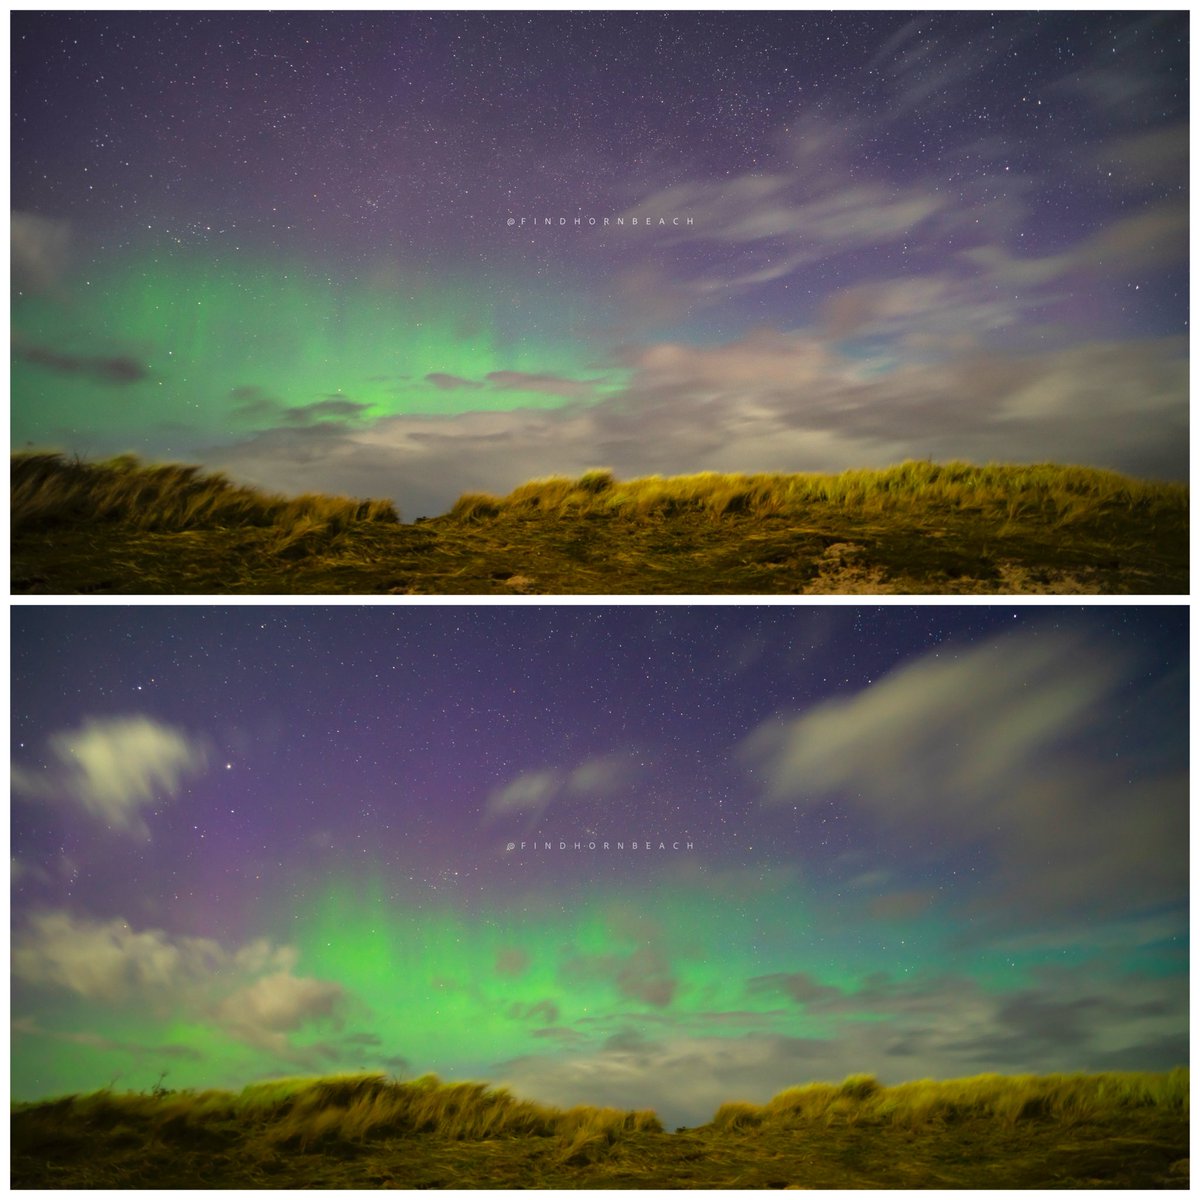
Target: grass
{"type": "Point", "coordinates": [1112, 1130]}
{"type": "Point", "coordinates": [125, 527]}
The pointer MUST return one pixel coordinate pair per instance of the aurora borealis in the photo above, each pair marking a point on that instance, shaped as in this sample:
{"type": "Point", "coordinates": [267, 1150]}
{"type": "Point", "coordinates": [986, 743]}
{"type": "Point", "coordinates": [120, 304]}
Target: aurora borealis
{"type": "Point", "coordinates": [924, 841]}
{"type": "Point", "coordinates": [278, 244]}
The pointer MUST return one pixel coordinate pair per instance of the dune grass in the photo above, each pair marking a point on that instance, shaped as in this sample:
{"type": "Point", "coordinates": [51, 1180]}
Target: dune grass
{"type": "Point", "coordinates": [1060, 495]}
{"type": "Point", "coordinates": [125, 527]}
{"type": "Point", "coordinates": [1127, 1130]}
{"type": "Point", "coordinates": [50, 490]}
{"type": "Point", "coordinates": [1000, 1099]}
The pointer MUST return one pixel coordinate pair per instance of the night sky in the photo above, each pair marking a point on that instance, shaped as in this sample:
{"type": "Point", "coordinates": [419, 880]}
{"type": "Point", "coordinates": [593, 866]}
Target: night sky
{"type": "Point", "coordinates": [290, 245]}
{"type": "Point", "coordinates": [911, 841]}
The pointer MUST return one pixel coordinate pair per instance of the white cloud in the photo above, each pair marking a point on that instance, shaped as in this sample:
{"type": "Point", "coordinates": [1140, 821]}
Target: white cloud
{"type": "Point", "coordinates": [531, 794]}
{"type": "Point", "coordinates": [265, 1012]}
{"type": "Point", "coordinates": [252, 993]}
{"type": "Point", "coordinates": [110, 961]}
{"type": "Point", "coordinates": [113, 768]}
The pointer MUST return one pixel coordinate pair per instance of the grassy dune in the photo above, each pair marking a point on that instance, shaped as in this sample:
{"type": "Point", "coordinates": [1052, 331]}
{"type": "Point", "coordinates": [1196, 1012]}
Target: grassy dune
{"type": "Point", "coordinates": [125, 527]}
{"type": "Point", "coordinates": [1113, 1130]}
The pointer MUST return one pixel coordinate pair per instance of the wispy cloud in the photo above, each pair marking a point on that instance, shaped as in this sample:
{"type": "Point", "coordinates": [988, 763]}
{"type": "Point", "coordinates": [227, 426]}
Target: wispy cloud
{"type": "Point", "coordinates": [113, 768]}
{"type": "Point", "coordinates": [980, 747]}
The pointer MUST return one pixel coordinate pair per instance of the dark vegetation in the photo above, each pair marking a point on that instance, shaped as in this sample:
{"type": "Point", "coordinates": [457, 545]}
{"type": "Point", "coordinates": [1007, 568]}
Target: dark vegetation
{"type": "Point", "coordinates": [1113, 1130]}
{"type": "Point", "coordinates": [125, 527]}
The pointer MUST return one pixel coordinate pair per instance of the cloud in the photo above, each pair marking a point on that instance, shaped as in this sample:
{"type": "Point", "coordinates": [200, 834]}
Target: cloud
{"type": "Point", "coordinates": [116, 369]}
{"type": "Point", "coordinates": [552, 385]}
{"type": "Point", "coordinates": [982, 747]}
{"type": "Point", "coordinates": [112, 768]}
{"type": "Point", "coordinates": [643, 974]}
{"type": "Point", "coordinates": [601, 776]}
{"type": "Point", "coordinates": [778, 401]}
{"type": "Point", "coordinates": [22, 872]}
{"type": "Point", "coordinates": [40, 251]}
{"type": "Point", "coordinates": [109, 961]}
{"type": "Point", "coordinates": [266, 1011]}
{"type": "Point", "coordinates": [943, 1027]}
{"type": "Point", "coordinates": [511, 961]}
{"type": "Point", "coordinates": [532, 793]}
{"type": "Point", "coordinates": [29, 1027]}
{"type": "Point", "coordinates": [900, 906]}
{"type": "Point", "coordinates": [337, 407]}
{"type": "Point", "coordinates": [768, 208]}
{"type": "Point", "coordinates": [1155, 237]}
{"type": "Point", "coordinates": [256, 404]}
{"type": "Point", "coordinates": [450, 383]}
{"type": "Point", "coordinates": [1147, 160]}
{"type": "Point", "coordinates": [798, 986]}
{"type": "Point", "coordinates": [544, 1010]}
{"type": "Point", "coordinates": [252, 994]}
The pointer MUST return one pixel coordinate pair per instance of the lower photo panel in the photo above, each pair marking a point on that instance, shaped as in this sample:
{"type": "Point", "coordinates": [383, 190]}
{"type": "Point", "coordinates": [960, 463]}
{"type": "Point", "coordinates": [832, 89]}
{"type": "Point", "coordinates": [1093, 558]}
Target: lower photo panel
{"type": "Point", "coordinates": [599, 896]}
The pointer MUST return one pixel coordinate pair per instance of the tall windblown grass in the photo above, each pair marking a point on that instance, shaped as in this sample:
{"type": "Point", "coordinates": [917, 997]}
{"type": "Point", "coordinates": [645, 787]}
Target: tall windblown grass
{"type": "Point", "coordinates": [1003, 1098]}
{"type": "Point", "coordinates": [1061, 494]}
{"type": "Point", "coordinates": [49, 489]}
{"type": "Point", "coordinates": [305, 1114]}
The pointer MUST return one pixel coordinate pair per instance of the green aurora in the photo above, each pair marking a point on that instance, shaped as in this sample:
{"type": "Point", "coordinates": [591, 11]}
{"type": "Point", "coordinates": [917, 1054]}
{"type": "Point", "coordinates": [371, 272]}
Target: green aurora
{"type": "Point", "coordinates": [232, 344]}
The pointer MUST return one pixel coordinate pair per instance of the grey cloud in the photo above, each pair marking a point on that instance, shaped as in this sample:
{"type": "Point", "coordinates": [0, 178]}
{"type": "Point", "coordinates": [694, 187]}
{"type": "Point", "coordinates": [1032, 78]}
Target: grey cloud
{"type": "Point", "coordinates": [450, 383]}
{"type": "Point", "coordinates": [755, 208]}
{"type": "Point", "coordinates": [978, 747]}
{"type": "Point", "coordinates": [798, 985]}
{"type": "Point", "coordinates": [564, 1036]}
{"type": "Point", "coordinates": [643, 974]}
{"type": "Point", "coordinates": [40, 251]}
{"type": "Point", "coordinates": [900, 906]}
{"type": "Point", "coordinates": [552, 385]}
{"type": "Point", "coordinates": [21, 872]}
{"type": "Point", "coordinates": [543, 1010]}
{"type": "Point", "coordinates": [337, 407]}
{"type": "Point", "coordinates": [1155, 237]}
{"type": "Point", "coordinates": [29, 1027]}
{"type": "Point", "coordinates": [1156, 158]}
{"type": "Point", "coordinates": [511, 961]}
{"type": "Point", "coordinates": [255, 403]}
{"type": "Point", "coordinates": [116, 369]}
{"type": "Point", "coordinates": [362, 1039]}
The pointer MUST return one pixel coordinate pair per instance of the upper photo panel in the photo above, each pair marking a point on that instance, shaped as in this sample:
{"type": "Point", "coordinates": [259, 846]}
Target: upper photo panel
{"type": "Point", "coordinates": [599, 302]}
